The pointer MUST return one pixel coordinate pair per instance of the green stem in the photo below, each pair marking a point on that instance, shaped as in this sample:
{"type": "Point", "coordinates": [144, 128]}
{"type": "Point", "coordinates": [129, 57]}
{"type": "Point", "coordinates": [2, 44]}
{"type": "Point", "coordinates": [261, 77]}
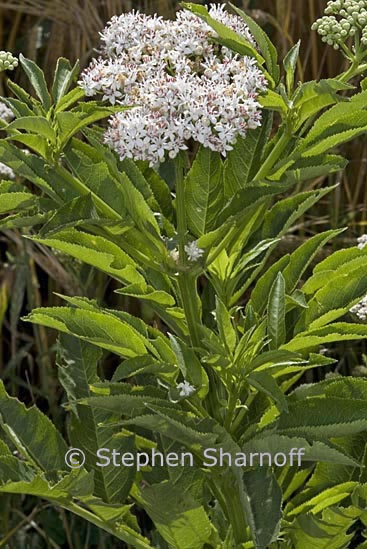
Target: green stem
{"type": "Point", "coordinates": [274, 156]}
{"type": "Point", "coordinates": [186, 281]}
{"type": "Point", "coordinates": [129, 536]}
{"type": "Point", "coordinates": [229, 499]}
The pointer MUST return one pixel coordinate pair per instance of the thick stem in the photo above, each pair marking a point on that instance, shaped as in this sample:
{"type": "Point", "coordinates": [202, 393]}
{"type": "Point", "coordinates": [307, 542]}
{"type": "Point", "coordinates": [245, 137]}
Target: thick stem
{"type": "Point", "coordinates": [273, 156]}
{"type": "Point", "coordinates": [229, 499]}
{"type": "Point", "coordinates": [186, 281]}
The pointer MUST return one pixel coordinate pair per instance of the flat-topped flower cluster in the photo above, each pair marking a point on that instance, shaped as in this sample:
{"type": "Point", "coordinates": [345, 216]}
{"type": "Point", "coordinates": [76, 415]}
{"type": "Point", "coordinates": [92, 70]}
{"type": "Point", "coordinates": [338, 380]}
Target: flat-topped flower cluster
{"type": "Point", "coordinates": [181, 83]}
{"type": "Point", "coordinates": [343, 19]}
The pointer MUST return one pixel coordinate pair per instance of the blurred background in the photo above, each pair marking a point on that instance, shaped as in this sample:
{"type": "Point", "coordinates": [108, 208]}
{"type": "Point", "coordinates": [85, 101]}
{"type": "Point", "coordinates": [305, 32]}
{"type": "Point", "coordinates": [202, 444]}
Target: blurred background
{"type": "Point", "coordinates": [44, 30]}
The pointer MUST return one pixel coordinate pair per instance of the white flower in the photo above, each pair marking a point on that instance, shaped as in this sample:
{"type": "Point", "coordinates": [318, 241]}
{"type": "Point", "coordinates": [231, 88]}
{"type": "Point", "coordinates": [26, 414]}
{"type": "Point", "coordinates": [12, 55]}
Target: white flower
{"type": "Point", "coordinates": [362, 241]}
{"type": "Point", "coordinates": [193, 251]}
{"type": "Point", "coordinates": [6, 172]}
{"type": "Point", "coordinates": [360, 309]}
{"type": "Point", "coordinates": [185, 389]}
{"type": "Point", "coordinates": [183, 85]}
{"type": "Point", "coordinates": [175, 255]}
{"type": "Point", "coordinates": [6, 114]}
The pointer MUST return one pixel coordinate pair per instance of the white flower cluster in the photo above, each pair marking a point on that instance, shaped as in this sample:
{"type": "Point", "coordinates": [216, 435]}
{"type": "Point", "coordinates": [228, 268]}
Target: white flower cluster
{"type": "Point", "coordinates": [6, 114]}
{"type": "Point", "coordinates": [6, 172]}
{"type": "Point", "coordinates": [352, 20]}
{"type": "Point", "coordinates": [7, 61]}
{"type": "Point", "coordinates": [193, 252]}
{"type": "Point", "coordinates": [181, 84]}
{"type": "Point", "coordinates": [360, 309]}
{"type": "Point", "coordinates": [362, 241]}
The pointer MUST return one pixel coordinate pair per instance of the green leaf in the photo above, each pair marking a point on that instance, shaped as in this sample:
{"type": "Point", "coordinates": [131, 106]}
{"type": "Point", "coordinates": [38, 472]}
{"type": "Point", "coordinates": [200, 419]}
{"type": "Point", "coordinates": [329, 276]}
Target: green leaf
{"type": "Point", "coordinates": [91, 429]}
{"type": "Point", "coordinates": [65, 74]}
{"type": "Point", "coordinates": [244, 160]}
{"type": "Point", "coordinates": [311, 97]}
{"type": "Point", "coordinates": [290, 65]}
{"type": "Point", "coordinates": [313, 451]}
{"type": "Point", "coordinates": [265, 499]}
{"type": "Point", "coordinates": [34, 142]}
{"type": "Point", "coordinates": [87, 248]}
{"type": "Point", "coordinates": [285, 212]}
{"type": "Point", "coordinates": [99, 328]}
{"type": "Point", "coordinates": [265, 383]}
{"type": "Point", "coordinates": [33, 124]}
{"type": "Point", "coordinates": [75, 212]}
{"type": "Point", "coordinates": [69, 99]}
{"type": "Point", "coordinates": [276, 313]}
{"type": "Point", "coordinates": [190, 366]}
{"type": "Point", "coordinates": [266, 46]}
{"type": "Point", "coordinates": [226, 330]}
{"type": "Point", "coordinates": [15, 201]}
{"type": "Point", "coordinates": [274, 102]}
{"type": "Point", "coordinates": [37, 79]}
{"type": "Point", "coordinates": [204, 192]}
{"type": "Point", "coordinates": [32, 433]}
{"type": "Point", "coordinates": [323, 418]}
{"type": "Point", "coordinates": [178, 517]}
{"type": "Point", "coordinates": [338, 331]}
{"type": "Point", "coordinates": [335, 298]}
{"type": "Point", "coordinates": [328, 497]}
{"type": "Point", "coordinates": [302, 257]}
{"type": "Point", "coordinates": [260, 294]}
{"type": "Point", "coordinates": [227, 36]}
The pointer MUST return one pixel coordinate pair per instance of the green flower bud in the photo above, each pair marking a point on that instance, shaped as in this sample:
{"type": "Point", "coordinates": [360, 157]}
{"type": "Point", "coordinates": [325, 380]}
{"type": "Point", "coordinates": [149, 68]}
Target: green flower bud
{"type": "Point", "coordinates": [7, 61]}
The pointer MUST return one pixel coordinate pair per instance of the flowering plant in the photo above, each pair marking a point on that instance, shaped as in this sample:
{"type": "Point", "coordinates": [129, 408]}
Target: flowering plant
{"type": "Point", "coordinates": [212, 146]}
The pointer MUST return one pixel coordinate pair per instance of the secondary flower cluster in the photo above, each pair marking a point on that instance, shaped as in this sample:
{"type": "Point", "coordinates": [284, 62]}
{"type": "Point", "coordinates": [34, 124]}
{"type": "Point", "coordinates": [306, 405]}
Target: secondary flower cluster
{"type": "Point", "coordinates": [181, 84]}
{"type": "Point", "coordinates": [352, 20]}
{"type": "Point", "coordinates": [360, 309]}
{"type": "Point", "coordinates": [6, 114]}
{"type": "Point", "coordinates": [7, 61]}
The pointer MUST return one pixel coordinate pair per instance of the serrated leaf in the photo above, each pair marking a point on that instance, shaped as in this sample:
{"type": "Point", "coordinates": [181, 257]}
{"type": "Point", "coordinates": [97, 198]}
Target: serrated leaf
{"type": "Point", "coordinates": [33, 124]}
{"type": "Point", "coordinates": [338, 331]}
{"type": "Point", "coordinates": [244, 160]}
{"type": "Point", "coordinates": [265, 498]}
{"type": "Point", "coordinates": [86, 247]}
{"type": "Point", "coordinates": [33, 431]}
{"type": "Point", "coordinates": [204, 192]}
{"type": "Point", "coordinates": [323, 418]}
{"type": "Point", "coordinates": [179, 518]}
{"type": "Point", "coordinates": [15, 201]}
{"type": "Point", "coordinates": [265, 383]}
{"type": "Point", "coordinates": [302, 257]}
{"type": "Point", "coordinates": [98, 328]}
{"type": "Point", "coordinates": [89, 428]}
{"type": "Point", "coordinates": [312, 451]}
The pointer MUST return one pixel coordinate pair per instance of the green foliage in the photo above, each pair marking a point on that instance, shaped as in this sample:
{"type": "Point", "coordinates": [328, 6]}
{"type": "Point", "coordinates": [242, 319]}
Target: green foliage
{"type": "Point", "coordinates": [229, 332]}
